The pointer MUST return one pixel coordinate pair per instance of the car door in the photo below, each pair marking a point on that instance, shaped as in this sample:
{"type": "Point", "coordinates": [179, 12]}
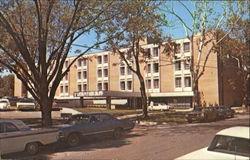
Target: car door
{"type": "Point", "coordinates": [102, 123]}
{"type": "Point", "coordinates": [10, 137]}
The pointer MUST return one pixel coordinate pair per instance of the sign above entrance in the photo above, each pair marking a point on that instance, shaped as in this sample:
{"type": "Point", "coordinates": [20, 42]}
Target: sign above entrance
{"type": "Point", "coordinates": [107, 94]}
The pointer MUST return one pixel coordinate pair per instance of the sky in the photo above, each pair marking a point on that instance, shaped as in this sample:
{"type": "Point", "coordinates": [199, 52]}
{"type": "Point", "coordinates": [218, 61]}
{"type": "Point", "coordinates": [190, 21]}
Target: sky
{"type": "Point", "coordinates": [176, 31]}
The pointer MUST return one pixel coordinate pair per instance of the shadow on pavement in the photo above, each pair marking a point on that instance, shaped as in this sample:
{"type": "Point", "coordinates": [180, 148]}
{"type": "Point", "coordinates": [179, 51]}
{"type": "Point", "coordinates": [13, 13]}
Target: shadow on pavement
{"type": "Point", "coordinates": [87, 144]}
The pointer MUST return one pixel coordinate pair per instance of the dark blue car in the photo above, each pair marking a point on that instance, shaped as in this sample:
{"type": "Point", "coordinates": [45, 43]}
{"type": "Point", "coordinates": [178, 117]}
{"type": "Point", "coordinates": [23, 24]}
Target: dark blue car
{"type": "Point", "coordinates": [90, 124]}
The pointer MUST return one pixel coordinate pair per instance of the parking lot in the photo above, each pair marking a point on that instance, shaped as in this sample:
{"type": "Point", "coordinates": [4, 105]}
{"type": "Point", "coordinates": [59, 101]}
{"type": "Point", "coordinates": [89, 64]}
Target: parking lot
{"type": "Point", "coordinates": [166, 141]}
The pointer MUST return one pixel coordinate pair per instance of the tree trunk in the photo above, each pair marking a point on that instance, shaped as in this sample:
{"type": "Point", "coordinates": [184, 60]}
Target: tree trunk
{"type": "Point", "coordinates": [196, 97]}
{"type": "Point", "coordinates": [144, 97]}
{"type": "Point", "coordinates": [46, 112]}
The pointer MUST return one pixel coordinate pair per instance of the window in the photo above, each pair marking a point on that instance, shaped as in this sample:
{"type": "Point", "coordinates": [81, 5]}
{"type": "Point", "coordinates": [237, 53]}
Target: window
{"type": "Point", "coordinates": [79, 88]}
{"type": "Point", "coordinates": [148, 68]}
{"type": "Point", "coordinates": [147, 52]}
{"type": "Point", "coordinates": [66, 76]}
{"type": "Point", "coordinates": [129, 72]}
{"type": "Point", "coordinates": [84, 74]}
{"type": "Point", "coordinates": [156, 52]}
{"type": "Point", "coordinates": [156, 67]}
{"type": "Point", "coordinates": [84, 61]}
{"type": "Point", "coordinates": [178, 82]}
{"type": "Point", "coordinates": [105, 86]}
{"type": "Point", "coordinates": [79, 75]}
{"type": "Point", "coordinates": [61, 89]}
{"type": "Point", "coordinates": [105, 72]}
{"type": "Point", "coordinates": [156, 83]}
{"type": "Point", "coordinates": [129, 85]}
{"type": "Point", "coordinates": [122, 70]}
{"type": "Point", "coordinates": [105, 58]}
{"type": "Point", "coordinates": [122, 85]}
{"type": "Point", "coordinates": [178, 65]}
{"type": "Point", "coordinates": [99, 60]}
{"type": "Point", "coordinates": [66, 89]}
{"type": "Point", "coordinates": [187, 81]}
{"type": "Point", "coordinates": [84, 87]}
{"type": "Point", "coordinates": [187, 65]}
{"type": "Point", "coordinates": [99, 86]}
{"type": "Point", "coordinates": [66, 64]}
{"type": "Point", "coordinates": [99, 73]}
{"type": "Point", "coordinates": [148, 83]}
{"type": "Point", "coordinates": [79, 62]}
{"type": "Point", "coordinates": [178, 48]}
{"type": "Point", "coordinates": [186, 47]}
{"type": "Point", "coordinates": [103, 117]}
{"type": "Point", "coordinates": [10, 127]}
{"type": "Point", "coordinates": [231, 145]}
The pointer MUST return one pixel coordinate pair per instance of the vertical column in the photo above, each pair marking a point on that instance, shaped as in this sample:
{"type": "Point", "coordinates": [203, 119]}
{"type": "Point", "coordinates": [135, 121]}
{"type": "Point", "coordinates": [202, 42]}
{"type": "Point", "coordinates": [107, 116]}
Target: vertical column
{"type": "Point", "coordinates": [81, 102]}
{"type": "Point", "coordinates": [108, 102]}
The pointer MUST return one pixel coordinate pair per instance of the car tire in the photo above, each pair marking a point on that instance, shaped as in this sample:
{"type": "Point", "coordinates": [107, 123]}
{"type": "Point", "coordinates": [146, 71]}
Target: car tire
{"type": "Point", "coordinates": [32, 148]}
{"type": "Point", "coordinates": [73, 140]}
{"type": "Point", "coordinates": [118, 133]}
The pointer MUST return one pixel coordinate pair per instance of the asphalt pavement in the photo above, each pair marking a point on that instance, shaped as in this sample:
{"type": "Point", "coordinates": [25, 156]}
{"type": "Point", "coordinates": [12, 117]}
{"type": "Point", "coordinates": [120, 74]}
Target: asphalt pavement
{"type": "Point", "coordinates": [165, 142]}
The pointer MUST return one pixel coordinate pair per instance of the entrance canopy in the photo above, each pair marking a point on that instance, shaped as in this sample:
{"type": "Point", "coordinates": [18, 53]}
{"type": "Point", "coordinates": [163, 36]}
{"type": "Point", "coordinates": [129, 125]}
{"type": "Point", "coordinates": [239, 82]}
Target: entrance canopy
{"type": "Point", "coordinates": [107, 94]}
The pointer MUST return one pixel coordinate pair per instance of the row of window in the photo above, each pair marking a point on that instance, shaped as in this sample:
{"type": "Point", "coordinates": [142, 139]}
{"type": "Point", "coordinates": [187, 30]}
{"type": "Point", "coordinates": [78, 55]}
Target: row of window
{"type": "Point", "coordinates": [178, 82]}
{"type": "Point", "coordinates": [127, 85]}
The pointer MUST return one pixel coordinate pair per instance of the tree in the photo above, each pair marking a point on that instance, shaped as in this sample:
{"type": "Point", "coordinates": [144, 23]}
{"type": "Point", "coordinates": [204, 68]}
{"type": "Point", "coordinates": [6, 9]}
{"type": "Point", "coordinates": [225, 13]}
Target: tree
{"type": "Point", "coordinates": [37, 37]}
{"type": "Point", "coordinates": [236, 49]}
{"type": "Point", "coordinates": [206, 19]}
{"type": "Point", "coordinates": [7, 85]}
{"type": "Point", "coordinates": [143, 23]}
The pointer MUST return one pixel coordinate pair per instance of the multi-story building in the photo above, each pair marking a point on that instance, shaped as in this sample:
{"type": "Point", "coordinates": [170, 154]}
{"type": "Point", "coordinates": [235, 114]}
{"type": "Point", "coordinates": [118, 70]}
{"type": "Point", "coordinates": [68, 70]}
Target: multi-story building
{"type": "Point", "coordinates": [168, 78]}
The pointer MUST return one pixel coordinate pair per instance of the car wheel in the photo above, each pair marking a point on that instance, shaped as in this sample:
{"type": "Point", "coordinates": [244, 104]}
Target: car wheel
{"type": "Point", "coordinates": [32, 148]}
{"type": "Point", "coordinates": [117, 133]}
{"type": "Point", "coordinates": [73, 140]}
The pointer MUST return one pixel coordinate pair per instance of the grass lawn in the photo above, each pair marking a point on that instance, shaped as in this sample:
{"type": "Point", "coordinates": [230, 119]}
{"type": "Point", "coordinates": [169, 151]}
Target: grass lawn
{"type": "Point", "coordinates": [165, 117]}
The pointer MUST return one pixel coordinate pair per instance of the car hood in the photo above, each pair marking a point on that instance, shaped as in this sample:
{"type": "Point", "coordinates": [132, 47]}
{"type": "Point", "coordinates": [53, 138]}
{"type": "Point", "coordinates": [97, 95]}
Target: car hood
{"type": "Point", "coordinates": [62, 126]}
{"type": "Point", "coordinates": [210, 155]}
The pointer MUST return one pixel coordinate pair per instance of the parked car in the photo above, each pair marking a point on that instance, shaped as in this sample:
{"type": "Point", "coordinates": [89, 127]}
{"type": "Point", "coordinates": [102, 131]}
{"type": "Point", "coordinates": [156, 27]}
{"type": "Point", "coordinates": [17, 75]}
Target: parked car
{"type": "Point", "coordinates": [4, 104]}
{"type": "Point", "coordinates": [229, 112]}
{"type": "Point", "coordinates": [229, 144]}
{"type": "Point", "coordinates": [201, 114]}
{"type": "Point", "coordinates": [221, 112]}
{"type": "Point", "coordinates": [90, 124]}
{"type": "Point", "coordinates": [16, 136]}
{"type": "Point", "coordinates": [158, 107]}
{"type": "Point", "coordinates": [26, 104]}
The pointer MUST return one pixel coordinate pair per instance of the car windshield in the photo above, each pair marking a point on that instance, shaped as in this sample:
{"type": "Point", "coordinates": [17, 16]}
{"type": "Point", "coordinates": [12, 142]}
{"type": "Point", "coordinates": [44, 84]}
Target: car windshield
{"type": "Point", "coordinates": [230, 145]}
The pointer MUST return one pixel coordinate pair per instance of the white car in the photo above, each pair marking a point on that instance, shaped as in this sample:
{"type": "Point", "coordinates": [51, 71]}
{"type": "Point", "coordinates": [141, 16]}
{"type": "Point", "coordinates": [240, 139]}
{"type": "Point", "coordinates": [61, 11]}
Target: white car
{"type": "Point", "coordinates": [26, 104]}
{"type": "Point", "coordinates": [4, 104]}
{"type": "Point", "coordinates": [158, 107]}
{"type": "Point", "coordinates": [16, 136]}
{"type": "Point", "coordinates": [228, 144]}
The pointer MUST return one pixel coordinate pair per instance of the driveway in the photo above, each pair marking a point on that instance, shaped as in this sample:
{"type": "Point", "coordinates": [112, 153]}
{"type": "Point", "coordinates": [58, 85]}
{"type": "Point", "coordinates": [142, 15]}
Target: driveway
{"type": "Point", "coordinates": [164, 142]}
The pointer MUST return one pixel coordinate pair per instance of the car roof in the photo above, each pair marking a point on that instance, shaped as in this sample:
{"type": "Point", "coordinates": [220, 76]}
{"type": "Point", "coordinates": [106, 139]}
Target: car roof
{"type": "Point", "coordinates": [240, 131]}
